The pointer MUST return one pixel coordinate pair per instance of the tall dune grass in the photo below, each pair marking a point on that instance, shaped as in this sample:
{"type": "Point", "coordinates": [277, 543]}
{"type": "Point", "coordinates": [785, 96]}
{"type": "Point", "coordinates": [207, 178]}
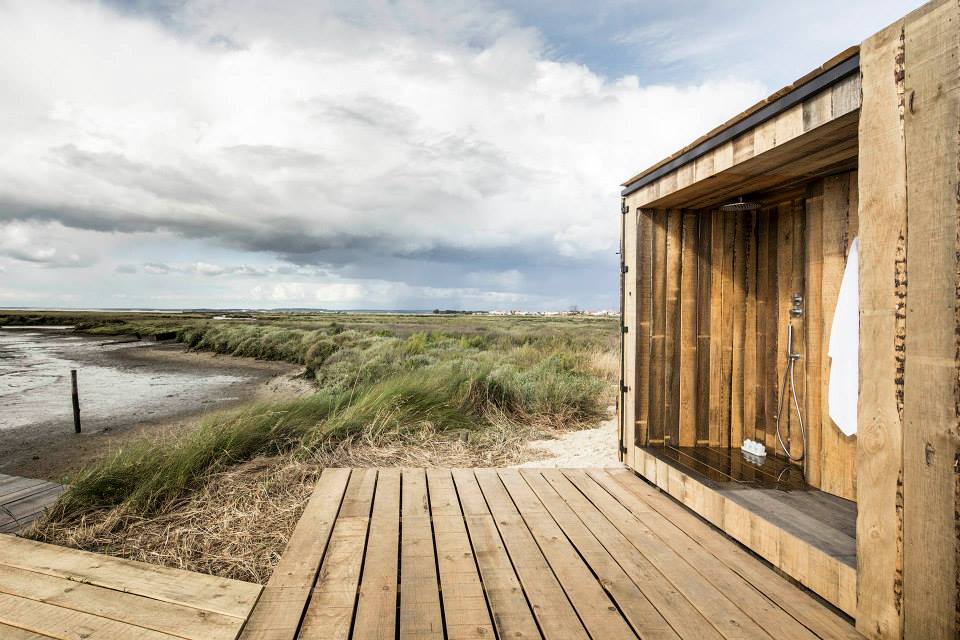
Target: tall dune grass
{"type": "Point", "coordinates": [377, 382]}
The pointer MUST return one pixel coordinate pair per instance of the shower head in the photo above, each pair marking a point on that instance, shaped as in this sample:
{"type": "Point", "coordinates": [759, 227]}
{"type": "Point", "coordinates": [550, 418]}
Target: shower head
{"type": "Point", "coordinates": [739, 205]}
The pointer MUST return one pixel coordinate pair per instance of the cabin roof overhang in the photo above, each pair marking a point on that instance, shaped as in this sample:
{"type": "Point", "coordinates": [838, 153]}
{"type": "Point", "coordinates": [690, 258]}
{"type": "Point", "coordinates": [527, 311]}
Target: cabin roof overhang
{"type": "Point", "coordinates": [806, 129]}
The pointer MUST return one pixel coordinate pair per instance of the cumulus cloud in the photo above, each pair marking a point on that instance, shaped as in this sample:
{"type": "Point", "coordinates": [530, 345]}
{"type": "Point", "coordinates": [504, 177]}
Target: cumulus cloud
{"type": "Point", "coordinates": [363, 138]}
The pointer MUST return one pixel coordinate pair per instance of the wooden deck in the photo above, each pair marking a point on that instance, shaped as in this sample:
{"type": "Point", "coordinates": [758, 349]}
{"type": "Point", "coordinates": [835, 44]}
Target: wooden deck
{"type": "Point", "coordinates": [22, 500]}
{"type": "Point", "coordinates": [520, 554]}
{"type": "Point", "coordinates": [806, 533]}
{"type": "Point", "coordinates": [53, 592]}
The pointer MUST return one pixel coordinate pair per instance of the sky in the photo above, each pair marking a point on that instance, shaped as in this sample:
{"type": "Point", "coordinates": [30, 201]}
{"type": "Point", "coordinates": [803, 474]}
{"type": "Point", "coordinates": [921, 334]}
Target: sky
{"type": "Point", "coordinates": [362, 154]}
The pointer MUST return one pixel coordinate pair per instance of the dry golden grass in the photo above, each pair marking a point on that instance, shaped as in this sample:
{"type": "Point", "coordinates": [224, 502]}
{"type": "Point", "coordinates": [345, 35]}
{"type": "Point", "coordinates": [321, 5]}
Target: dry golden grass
{"type": "Point", "coordinates": [238, 523]}
{"type": "Point", "coordinates": [605, 364]}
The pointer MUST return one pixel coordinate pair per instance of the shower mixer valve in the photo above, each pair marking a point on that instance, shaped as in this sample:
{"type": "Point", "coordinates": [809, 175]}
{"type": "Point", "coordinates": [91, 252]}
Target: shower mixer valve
{"type": "Point", "coordinates": [797, 310]}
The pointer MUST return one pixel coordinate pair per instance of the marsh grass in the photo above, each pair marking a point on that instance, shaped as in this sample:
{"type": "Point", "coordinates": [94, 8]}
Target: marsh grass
{"type": "Point", "coordinates": [392, 391]}
{"type": "Point", "coordinates": [375, 385]}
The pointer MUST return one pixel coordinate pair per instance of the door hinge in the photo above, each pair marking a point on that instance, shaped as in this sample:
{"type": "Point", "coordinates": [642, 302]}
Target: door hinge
{"type": "Point", "coordinates": [623, 449]}
{"type": "Point", "coordinates": [625, 329]}
{"type": "Point", "coordinates": [624, 268]}
{"type": "Point", "coordinates": [623, 206]}
{"type": "Point", "coordinates": [624, 388]}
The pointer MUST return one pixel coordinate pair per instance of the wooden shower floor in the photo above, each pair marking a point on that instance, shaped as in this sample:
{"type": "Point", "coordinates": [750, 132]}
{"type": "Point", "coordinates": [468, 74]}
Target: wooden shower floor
{"type": "Point", "coordinates": [508, 553]}
{"type": "Point", "coordinates": [719, 465]}
{"type": "Point", "coordinates": [769, 508]}
{"type": "Point", "coordinates": [787, 496]}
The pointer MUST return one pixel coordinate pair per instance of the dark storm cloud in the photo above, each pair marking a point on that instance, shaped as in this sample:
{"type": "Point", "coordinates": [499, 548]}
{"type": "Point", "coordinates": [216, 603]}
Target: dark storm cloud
{"type": "Point", "coordinates": [162, 181]}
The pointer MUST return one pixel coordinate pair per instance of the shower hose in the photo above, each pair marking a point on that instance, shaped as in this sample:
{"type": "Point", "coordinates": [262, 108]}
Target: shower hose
{"type": "Point", "coordinates": [788, 375]}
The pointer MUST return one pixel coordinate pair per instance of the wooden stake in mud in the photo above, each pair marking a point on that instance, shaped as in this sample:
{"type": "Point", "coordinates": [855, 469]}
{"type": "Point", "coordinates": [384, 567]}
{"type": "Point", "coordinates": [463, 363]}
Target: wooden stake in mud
{"type": "Point", "coordinates": [76, 401]}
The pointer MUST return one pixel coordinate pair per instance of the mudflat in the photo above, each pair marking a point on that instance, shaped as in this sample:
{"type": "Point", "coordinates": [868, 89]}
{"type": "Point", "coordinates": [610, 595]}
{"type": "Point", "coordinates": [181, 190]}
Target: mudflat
{"type": "Point", "coordinates": [127, 389]}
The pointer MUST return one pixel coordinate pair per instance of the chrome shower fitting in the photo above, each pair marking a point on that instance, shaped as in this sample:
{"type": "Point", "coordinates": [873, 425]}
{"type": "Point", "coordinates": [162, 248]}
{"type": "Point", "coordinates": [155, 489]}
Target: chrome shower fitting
{"type": "Point", "coordinates": [795, 312]}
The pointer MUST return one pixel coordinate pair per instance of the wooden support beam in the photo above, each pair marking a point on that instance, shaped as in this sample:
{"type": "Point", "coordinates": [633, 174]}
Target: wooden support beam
{"type": "Point", "coordinates": [739, 330]}
{"type": "Point", "coordinates": [717, 260]}
{"type": "Point", "coordinates": [798, 286]}
{"type": "Point", "coordinates": [882, 187]}
{"type": "Point", "coordinates": [931, 387]}
{"type": "Point", "coordinates": [704, 314]}
{"type": "Point", "coordinates": [688, 332]}
{"type": "Point", "coordinates": [726, 334]}
{"type": "Point", "coordinates": [658, 323]}
{"type": "Point", "coordinates": [644, 277]}
{"type": "Point", "coordinates": [814, 330]}
{"type": "Point", "coordinates": [672, 328]}
{"type": "Point", "coordinates": [908, 415]}
{"type": "Point", "coordinates": [750, 386]}
{"type": "Point", "coordinates": [630, 317]}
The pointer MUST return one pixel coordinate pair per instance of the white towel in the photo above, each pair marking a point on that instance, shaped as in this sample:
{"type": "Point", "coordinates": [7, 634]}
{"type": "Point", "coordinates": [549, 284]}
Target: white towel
{"type": "Point", "coordinates": [844, 349]}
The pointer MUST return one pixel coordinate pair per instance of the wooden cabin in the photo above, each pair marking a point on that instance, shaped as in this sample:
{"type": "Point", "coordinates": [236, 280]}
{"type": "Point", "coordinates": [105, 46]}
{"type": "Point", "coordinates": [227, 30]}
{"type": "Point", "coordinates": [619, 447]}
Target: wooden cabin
{"type": "Point", "coordinates": [744, 235]}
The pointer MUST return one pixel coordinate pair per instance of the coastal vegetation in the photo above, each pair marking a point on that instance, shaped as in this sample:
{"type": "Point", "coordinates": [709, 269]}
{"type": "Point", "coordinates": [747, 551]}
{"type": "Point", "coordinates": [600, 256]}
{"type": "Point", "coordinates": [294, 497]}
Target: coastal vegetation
{"type": "Point", "coordinates": [451, 390]}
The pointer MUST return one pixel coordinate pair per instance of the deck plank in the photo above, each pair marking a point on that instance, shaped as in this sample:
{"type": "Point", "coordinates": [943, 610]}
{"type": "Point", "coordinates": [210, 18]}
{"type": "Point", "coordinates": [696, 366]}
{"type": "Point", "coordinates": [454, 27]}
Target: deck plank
{"type": "Point", "coordinates": [725, 615]}
{"type": "Point", "coordinates": [532, 553]}
{"type": "Point", "coordinates": [20, 513]}
{"type": "Point", "coordinates": [511, 612]}
{"type": "Point", "coordinates": [679, 612]}
{"type": "Point", "coordinates": [636, 608]}
{"type": "Point", "coordinates": [68, 624]}
{"type": "Point", "coordinates": [16, 633]}
{"type": "Point", "coordinates": [23, 500]}
{"type": "Point", "coordinates": [221, 595]}
{"type": "Point", "coordinates": [329, 614]}
{"type": "Point", "coordinates": [376, 617]}
{"type": "Point", "coordinates": [9, 484]}
{"type": "Point", "coordinates": [465, 611]}
{"type": "Point", "coordinates": [553, 610]}
{"type": "Point", "coordinates": [420, 612]}
{"type": "Point", "coordinates": [596, 611]}
{"type": "Point", "coordinates": [765, 613]}
{"type": "Point", "coordinates": [173, 619]}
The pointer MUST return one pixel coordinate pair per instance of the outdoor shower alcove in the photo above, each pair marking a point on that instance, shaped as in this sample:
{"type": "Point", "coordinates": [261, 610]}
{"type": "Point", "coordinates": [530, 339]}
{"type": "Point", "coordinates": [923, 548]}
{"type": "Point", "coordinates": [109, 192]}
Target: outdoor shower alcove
{"type": "Point", "coordinates": [710, 293]}
{"type": "Point", "coordinates": [864, 147]}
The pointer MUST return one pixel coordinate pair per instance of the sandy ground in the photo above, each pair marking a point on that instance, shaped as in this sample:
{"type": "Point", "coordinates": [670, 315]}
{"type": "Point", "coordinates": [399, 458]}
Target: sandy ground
{"type": "Point", "coordinates": [48, 448]}
{"type": "Point", "coordinates": [576, 449]}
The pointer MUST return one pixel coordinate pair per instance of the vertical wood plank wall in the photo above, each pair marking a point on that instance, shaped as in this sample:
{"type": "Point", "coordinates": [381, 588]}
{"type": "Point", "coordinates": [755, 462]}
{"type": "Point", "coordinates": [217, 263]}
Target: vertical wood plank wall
{"type": "Point", "coordinates": [712, 324]}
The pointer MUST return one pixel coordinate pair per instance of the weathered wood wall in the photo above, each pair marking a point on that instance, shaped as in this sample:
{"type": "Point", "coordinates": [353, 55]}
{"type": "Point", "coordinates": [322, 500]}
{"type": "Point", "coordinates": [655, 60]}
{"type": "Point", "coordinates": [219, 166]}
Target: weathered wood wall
{"type": "Point", "coordinates": [909, 412]}
{"type": "Point", "coordinates": [715, 294]}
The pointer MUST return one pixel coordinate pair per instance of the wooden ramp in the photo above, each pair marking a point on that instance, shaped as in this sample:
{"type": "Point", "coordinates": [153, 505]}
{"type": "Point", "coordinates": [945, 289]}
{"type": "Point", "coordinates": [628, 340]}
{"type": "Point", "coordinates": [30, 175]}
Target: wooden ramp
{"type": "Point", "coordinates": [509, 553]}
{"type": "Point", "coordinates": [54, 592]}
{"type": "Point", "coordinates": [22, 500]}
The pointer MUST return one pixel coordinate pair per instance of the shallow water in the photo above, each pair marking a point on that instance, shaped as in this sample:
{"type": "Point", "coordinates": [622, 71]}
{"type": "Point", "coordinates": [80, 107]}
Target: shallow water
{"type": "Point", "coordinates": [35, 382]}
